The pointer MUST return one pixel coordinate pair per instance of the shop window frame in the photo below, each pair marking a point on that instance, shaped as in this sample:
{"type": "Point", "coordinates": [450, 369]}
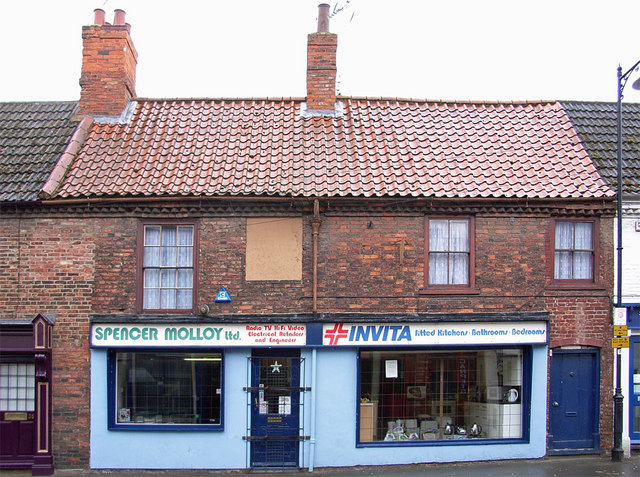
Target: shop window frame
{"type": "Point", "coordinates": [140, 252]}
{"type": "Point", "coordinates": [468, 288]}
{"type": "Point", "coordinates": [114, 425]}
{"type": "Point", "coordinates": [525, 399]}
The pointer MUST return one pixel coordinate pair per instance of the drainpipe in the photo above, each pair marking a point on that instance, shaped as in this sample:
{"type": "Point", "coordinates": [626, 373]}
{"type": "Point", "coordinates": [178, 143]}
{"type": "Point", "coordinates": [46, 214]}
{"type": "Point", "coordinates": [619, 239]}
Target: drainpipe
{"type": "Point", "coordinates": [315, 227]}
{"type": "Point", "coordinates": [312, 431]}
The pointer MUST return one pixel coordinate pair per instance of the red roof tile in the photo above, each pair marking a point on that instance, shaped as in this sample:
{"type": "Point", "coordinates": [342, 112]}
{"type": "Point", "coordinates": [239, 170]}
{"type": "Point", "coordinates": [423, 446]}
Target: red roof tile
{"type": "Point", "coordinates": [384, 148]}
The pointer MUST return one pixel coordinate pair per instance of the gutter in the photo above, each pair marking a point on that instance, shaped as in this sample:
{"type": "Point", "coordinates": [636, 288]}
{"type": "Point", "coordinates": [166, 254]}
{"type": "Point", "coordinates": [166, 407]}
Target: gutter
{"type": "Point", "coordinates": [430, 201]}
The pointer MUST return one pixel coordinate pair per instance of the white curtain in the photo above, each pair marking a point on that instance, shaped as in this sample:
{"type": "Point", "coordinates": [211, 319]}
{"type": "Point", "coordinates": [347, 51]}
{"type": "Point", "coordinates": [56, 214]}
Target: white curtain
{"type": "Point", "coordinates": [168, 262]}
{"type": "Point", "coordinates": [446, 237]}
{"type": "Point", "coordinates": [574, 250]}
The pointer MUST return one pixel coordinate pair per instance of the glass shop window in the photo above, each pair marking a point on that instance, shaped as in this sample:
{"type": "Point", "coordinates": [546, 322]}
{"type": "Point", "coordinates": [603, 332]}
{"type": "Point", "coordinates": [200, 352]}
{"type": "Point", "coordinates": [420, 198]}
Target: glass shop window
{"type": "Point", "coordinates": [168, 388]}
{"type": "Point", "coordinates": [441, 395]}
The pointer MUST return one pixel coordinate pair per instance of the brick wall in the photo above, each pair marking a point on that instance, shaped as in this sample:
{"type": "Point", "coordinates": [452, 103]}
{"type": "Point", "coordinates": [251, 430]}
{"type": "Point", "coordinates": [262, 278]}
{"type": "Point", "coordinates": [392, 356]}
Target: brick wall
{"type": "Point", "coordinates": [366, 263]}
{"type": "Point", "coordinates": [50, 269]}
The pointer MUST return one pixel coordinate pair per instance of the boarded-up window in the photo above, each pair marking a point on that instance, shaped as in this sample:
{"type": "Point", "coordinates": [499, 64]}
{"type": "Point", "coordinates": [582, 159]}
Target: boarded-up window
{"type": "Point", "coordinates": [274, 248]}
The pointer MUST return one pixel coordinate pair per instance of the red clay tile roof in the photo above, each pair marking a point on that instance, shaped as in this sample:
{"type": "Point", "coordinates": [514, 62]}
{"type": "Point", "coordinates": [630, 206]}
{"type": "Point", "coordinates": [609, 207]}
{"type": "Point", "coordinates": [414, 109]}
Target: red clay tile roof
{"type": "Point", "coordinates": [378, 147]}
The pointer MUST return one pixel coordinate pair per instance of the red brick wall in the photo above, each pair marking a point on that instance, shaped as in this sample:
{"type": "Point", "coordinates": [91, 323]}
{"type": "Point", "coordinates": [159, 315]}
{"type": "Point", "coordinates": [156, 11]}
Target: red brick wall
{"type": "Point", "coordinates": [50, 271]}
{"type": "Point", "coordinates": [366, 263]}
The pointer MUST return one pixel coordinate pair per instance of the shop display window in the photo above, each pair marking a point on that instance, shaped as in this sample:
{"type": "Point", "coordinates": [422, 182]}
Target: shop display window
{"type": "Point", "coordinates": [167, 389]}
{"type": "Point", "coordinates": [420, 395]}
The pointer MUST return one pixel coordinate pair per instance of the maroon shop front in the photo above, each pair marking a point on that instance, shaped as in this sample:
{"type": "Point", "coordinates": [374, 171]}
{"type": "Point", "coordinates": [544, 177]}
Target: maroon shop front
{"type": "Point", "coordinates": [25, 394]}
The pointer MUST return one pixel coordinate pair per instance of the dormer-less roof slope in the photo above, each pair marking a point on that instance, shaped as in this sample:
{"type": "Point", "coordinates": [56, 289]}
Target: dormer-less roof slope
{"type": "Point", "coordinates": [596, 124]}
{"type": "Point", "coordinates": [32, 138]}
{"type": "Point", "coordinates": [375, 148]}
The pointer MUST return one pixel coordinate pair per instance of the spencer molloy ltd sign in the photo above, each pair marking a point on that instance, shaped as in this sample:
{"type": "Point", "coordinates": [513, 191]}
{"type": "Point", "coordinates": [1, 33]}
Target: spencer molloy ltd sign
{"type": "Point", "coordinates": [346, 334]}
{"type": "Point", "coordinates": [165, 335]}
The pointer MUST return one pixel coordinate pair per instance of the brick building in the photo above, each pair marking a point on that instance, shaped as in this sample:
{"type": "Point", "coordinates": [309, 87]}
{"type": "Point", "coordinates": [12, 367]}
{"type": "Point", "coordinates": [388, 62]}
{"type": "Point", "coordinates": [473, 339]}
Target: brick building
{"type": "Point", "coordinates": [313, 282]}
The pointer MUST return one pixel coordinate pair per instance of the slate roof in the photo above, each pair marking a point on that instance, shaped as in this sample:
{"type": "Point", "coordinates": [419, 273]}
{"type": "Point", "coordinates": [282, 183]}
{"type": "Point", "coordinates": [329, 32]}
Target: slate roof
{"type": "Point", "coordinates": [376, 148]}
{"type": "Point", "coordinates": [32, 138]}
{"type": "Point", "coordinates": [596, 124]}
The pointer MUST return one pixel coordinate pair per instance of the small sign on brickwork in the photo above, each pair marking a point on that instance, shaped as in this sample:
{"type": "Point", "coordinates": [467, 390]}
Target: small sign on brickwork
{"type": "Point", "coordinates": [223, 296]}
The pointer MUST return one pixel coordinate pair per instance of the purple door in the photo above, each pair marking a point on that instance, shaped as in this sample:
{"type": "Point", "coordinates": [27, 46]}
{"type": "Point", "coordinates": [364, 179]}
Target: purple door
{"type": "Point", "coordinates": [17, 411]}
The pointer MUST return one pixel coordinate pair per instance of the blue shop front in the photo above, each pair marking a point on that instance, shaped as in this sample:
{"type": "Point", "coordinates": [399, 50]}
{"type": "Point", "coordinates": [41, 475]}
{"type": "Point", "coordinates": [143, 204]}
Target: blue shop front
{"type": "Point", "coordinates": [274, 395]}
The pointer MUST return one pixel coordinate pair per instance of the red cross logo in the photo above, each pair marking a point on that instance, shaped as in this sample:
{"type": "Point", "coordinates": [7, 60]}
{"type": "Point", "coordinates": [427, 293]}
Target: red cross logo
{"type": "Point", "coordinates": [335, 333]}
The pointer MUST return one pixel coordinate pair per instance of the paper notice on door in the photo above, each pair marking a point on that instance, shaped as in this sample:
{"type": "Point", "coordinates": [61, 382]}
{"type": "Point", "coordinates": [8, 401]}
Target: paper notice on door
{"type": "Point", "coordinates": [284, 405]}
{"type": "Point", "coordinates": [391, 368]}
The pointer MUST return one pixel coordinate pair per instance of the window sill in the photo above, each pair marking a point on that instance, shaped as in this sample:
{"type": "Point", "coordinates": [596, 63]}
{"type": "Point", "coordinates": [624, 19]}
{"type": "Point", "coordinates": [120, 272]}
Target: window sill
{"type": "Point", "coordinates": [181, 311]}
{"type": "Point", "coordinates": [575, 285]}
{"type": "Point", "coordinates": [444, 442]}
{"type": "Point", "coordinates": [449, 291]}
{"type": "Point", "coordinates": [166, 428]}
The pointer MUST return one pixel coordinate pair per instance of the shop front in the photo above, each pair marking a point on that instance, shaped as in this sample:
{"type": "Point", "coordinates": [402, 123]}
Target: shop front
{"type": "Point", "coordinates": [310, 394]}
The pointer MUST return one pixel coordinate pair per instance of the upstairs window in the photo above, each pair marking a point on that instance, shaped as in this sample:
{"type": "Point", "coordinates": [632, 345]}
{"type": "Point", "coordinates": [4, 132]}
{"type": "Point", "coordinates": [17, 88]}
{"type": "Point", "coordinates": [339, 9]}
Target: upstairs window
{"type": "Point", "coordinates": [449, 252]}
{"type": "Point", "coordinates": [168, 267]}
{"type": "Point", "coordinates": [574, 250]}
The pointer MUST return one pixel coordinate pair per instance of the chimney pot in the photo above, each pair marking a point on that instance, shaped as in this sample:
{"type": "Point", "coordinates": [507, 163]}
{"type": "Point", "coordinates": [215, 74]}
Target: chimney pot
{"type": "Point", "coordinates": [109, 58]}
{"type": "Point", "coordinates": [323, 17]}
{"type": "Point", "coordinates": [118, 18]}
{"type": "Point", "coordinates": [98, 16]}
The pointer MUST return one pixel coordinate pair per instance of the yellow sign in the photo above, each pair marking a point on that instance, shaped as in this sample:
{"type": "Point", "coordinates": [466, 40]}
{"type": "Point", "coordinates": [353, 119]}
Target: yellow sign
{"type": "Point", "coordinates": [620, 331]}
{"type": "Point", "coordinates": [620, 342]}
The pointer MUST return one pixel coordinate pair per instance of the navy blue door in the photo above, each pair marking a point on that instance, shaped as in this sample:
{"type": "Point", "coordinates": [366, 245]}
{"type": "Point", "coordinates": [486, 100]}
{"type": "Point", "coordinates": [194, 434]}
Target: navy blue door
{"type": "Point", "coordinates": [275, 408]}
{"type": "Point", "coordinates": [574, 401]}
{"type": "Point", "coordinates": [634, 390]}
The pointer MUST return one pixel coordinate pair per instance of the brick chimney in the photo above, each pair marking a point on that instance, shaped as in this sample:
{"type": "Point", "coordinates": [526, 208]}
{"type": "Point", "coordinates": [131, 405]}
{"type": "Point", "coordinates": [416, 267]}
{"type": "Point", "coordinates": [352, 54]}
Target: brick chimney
{"type": "Point", "coordinates": [108, 79]}
{"type": "Point", "coordinates": [321, 65]}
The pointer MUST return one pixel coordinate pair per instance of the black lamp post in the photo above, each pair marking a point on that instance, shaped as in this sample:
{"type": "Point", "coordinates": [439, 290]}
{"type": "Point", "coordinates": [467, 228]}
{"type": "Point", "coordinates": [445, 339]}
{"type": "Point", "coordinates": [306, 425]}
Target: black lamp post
{"type": "Point", "coordinates": [617, 452]}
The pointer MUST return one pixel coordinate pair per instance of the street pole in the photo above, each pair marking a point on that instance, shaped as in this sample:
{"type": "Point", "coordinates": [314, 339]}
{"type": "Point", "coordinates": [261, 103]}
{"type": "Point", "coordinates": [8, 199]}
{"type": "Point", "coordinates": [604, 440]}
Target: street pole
{"type": "Point", "coordinates": [617, 453]}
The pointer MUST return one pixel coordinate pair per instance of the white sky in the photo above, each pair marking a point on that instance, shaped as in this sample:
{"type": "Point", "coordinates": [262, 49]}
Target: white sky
{"type": "Point", "coordinates": [431, 49]}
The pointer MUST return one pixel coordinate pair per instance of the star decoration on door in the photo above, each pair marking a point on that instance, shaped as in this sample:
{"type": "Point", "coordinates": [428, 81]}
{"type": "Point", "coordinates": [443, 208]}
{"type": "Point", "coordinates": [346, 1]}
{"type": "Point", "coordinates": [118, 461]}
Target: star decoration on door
{"type": "Point", "coordinates": [275, 367]}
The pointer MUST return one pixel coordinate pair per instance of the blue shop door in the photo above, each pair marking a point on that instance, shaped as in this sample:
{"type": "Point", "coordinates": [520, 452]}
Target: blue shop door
{"type": "Point", "coordinates": [574, 400]}
{"type": "Point", "coordinates": [634, 390]}
{"type": "Point", "coordinates": [275, 409]}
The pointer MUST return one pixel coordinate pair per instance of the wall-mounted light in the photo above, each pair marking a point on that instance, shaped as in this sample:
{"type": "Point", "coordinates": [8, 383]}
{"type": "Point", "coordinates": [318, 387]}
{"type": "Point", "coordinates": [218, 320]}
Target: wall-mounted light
{"type": "Point", "coordinates": [203, 309]}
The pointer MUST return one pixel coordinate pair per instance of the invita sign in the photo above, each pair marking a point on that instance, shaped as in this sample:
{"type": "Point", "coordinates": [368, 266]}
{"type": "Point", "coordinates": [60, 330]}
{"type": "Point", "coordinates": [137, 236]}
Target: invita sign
{"type": "Point", "coordinates": [181, 335]}
{"type": "Point", "coordinates": [451, 333]}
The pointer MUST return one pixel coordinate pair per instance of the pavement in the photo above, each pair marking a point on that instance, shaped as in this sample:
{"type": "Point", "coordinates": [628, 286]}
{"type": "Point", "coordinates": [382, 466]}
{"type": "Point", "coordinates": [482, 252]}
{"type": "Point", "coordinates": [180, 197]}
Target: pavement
{"type": "Point", "coordinates": [565, 466]}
